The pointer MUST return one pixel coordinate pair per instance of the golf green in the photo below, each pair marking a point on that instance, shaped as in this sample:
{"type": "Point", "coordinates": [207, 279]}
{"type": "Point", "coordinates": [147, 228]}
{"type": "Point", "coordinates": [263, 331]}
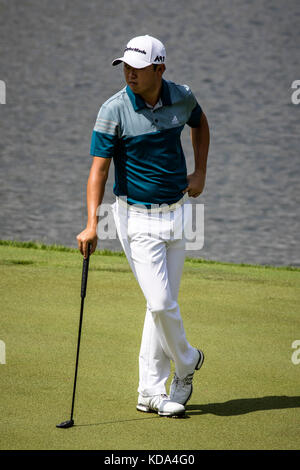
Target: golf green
{"type": "Point", "coordinates": [245, 318]}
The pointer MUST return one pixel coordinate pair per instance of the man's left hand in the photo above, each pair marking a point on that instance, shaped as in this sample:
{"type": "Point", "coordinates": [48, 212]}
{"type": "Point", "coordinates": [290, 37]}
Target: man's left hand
{"type": "Point", "coordinates": [196, 182]}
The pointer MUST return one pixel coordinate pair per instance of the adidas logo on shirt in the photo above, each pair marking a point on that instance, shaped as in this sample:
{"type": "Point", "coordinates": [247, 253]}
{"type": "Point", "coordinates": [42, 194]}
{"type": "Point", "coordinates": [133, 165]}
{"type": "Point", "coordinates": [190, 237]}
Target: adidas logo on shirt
{"type": "Point", "coordinates": [175, 120]}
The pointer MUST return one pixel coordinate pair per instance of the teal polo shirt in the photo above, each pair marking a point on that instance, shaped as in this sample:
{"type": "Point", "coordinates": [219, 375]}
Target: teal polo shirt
{"type": "Point", "coordinates": [145, 144]}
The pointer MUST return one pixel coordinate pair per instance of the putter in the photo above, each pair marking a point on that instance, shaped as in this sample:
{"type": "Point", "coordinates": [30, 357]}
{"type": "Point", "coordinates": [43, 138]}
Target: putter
{"type": "Point", "coordinates": [85, 268]}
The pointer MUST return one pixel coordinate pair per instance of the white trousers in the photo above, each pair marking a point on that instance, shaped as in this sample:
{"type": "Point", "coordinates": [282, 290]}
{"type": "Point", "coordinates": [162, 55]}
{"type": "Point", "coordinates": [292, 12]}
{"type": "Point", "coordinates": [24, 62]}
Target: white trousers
{"type": "Point", "coordinates": [154, 245]}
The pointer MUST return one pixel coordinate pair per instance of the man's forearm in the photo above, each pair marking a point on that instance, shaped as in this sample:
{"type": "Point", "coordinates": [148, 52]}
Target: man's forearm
{"type": "Point", "coordinates": [200, 141]}
{"type": "Point", "coordinates": [95, 192]}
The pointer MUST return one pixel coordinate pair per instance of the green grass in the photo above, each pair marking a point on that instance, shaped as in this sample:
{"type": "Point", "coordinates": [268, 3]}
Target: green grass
{"type": "Point", "coordinates": [245, 318]}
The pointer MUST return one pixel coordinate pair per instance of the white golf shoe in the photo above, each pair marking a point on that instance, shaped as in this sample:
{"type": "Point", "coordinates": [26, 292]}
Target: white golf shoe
{"type": "Point", "coordinates": [160, 404]}
{"type": "Point", "coordinates": [181, 389]}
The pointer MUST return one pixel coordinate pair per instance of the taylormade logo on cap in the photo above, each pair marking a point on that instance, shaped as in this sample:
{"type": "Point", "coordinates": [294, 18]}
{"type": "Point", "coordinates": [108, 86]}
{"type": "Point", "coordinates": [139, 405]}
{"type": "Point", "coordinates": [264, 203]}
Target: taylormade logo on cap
{"type": "Point", "coordinates": [143, 51]}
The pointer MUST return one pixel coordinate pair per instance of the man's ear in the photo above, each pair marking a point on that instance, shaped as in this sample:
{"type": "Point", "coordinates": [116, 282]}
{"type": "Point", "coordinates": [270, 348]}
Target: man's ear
{"type": "Point", "coordinates": [161, 68]}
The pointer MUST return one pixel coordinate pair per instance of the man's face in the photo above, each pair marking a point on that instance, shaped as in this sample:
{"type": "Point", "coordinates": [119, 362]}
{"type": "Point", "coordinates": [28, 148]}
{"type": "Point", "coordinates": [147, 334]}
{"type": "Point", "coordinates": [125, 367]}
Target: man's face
{"type": "Point", "coordinates": [143, 81]}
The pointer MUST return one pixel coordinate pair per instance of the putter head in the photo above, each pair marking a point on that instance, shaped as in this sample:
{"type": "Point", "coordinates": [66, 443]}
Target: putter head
{"type": "Point", "coordinates": [66, 424]}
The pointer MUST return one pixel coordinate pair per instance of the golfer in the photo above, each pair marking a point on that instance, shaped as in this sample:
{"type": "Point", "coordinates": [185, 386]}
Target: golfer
{"type": "Point", "coordinates": [139, 129]}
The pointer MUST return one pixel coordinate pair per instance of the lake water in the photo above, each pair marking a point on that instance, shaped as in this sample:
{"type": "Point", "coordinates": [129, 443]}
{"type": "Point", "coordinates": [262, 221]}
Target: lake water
{"type": "Point", "coordinates": [239, 57]}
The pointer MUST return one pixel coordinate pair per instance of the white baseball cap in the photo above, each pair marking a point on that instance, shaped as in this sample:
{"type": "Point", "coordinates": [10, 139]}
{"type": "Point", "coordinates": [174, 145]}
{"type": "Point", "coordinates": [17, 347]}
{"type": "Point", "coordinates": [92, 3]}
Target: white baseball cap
{"type": "Point", "coordinates": [143, 51]}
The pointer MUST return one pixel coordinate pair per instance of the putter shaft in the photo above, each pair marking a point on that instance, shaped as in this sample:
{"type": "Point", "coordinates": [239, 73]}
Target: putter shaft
{"type": "Point", "coordinates": [85, 268]}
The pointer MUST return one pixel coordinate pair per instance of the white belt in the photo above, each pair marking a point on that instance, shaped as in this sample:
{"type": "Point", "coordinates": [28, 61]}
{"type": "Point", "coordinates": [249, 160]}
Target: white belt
{"type": "Point", "coordinates": [154, 208]}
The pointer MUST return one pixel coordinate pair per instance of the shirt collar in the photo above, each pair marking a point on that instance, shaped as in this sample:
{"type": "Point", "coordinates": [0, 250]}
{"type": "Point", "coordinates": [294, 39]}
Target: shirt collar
{"type": "Point", "coordinates": [138, 103]}
{"type": "Point", "coordinates": [156, 106]}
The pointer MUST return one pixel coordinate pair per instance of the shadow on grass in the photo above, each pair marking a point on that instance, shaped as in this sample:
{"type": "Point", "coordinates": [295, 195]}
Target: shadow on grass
{"type": "Point", "coordinates": [118, 421]}
{"type": "Point", "coordinates": [228, 408]}
{"type": "Point", "coordinates": [245, 405]}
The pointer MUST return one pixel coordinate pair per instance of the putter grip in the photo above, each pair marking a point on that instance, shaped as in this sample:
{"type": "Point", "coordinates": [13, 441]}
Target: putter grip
{"type": "Point", "coordinates": [85, 268]}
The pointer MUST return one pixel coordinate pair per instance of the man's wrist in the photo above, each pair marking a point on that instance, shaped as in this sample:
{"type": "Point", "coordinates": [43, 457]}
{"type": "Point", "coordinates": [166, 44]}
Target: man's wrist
{"type": "Point", "coordinates": [200, 172]}
{"type": "Point", "coordinates": [92, 225]}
